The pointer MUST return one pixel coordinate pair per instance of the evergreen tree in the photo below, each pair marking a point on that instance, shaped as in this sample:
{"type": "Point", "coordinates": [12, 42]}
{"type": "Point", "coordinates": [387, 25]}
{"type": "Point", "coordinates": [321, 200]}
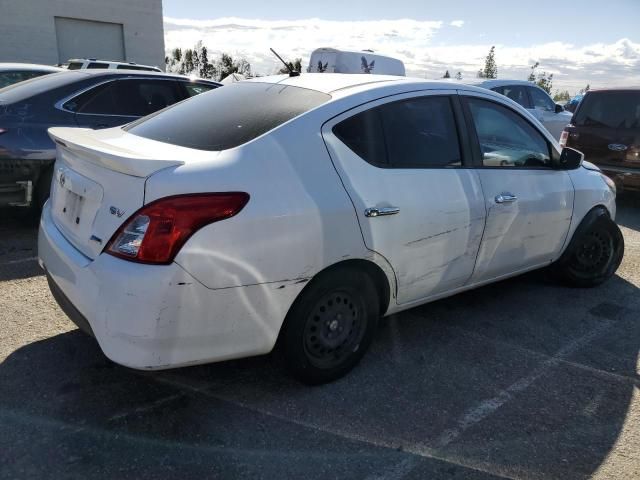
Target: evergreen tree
{"type": "Point", "coordinates": [446, 74]}
{"type": "Point", "coordinates": [296, 66]}
{"type": "Point", "coordinates": [490, 67]}
{"type": "Point", "coordinates": [459, 76]}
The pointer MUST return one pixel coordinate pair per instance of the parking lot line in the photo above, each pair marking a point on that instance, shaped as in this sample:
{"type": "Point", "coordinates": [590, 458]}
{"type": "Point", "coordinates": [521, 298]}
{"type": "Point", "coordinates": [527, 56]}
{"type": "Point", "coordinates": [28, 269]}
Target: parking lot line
{"type": "Point", "coordinates": [487, 407]}
{"type": "Point", "coordinates": [20, 260]}
{"type": "Point", "coordinates": [413, 449]}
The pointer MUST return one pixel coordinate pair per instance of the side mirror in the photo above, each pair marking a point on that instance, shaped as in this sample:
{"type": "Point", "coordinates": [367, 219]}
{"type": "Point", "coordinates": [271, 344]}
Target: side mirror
{"type": "Point", "coordinates": [570, 159]}
{"type": "Point", "coordinates": [559, 108]}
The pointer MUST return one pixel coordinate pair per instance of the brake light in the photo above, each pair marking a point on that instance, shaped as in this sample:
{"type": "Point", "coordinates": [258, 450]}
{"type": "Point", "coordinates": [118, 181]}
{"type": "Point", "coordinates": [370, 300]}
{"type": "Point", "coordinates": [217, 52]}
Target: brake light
{"type": "Point", "coordinates": [564, 136]}
{"type": "Point", "coordinates": [156, 232]}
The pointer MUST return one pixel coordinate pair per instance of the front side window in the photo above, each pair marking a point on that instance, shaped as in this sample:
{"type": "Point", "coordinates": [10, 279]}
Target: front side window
{"type": "Point", "coordinates": [414, 133]}
{"type": "Point", "coordinates": [130, 97]}
{"type": "Point", "coordinates": [74, 65]}
{"type": "Point", "coordinates": [506, 139]}
{"type": "Point", "coordinates": [98, 65]}
{"type": "Point", "coordinates": [541, 100]}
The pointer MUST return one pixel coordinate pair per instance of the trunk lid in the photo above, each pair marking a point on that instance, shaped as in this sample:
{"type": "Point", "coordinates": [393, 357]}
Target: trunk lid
{"type": "Point", "coordinates": [98, 182]}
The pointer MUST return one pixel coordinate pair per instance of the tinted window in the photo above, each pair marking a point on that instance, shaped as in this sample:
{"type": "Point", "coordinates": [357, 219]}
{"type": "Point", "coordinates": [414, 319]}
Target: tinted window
{"type": "Point", "coordinates": [98, 65]}
{"type": "Point", "coordinates": [541, 100]}
{"type": "Point", "coordinates": [46, 83]}
{"type": "Point", "coordinates": [74, 66]}
{"type": "Point", "coordinates": [130, 97]}
{"type": "Point", "coordinates": [9, 78]}
{"type": "Point", "coordinates": [194, 89]}
{"type": "Point", "coordinates": [415, 133]}
{"type": "Point", "coordinates": [506, 139]}
{"type": "Point", "coordinates": [363, 134]}
{"type": "Point", "coordinates": [613, 109]}
{"type": "Point", "coordinates": [517, 93]}
{"type": "Point", "coordinates": [227, 117]}
{"type": "Point", "coordinates": [136, 67]}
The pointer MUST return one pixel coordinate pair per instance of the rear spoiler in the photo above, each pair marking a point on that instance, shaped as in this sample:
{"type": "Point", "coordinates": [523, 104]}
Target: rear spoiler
{"type": "Point", "coordinates": [88, 144]}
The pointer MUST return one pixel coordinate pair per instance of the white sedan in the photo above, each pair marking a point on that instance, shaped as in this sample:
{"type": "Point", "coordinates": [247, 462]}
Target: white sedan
{"type": "Point", "coordinates": [300, 210]}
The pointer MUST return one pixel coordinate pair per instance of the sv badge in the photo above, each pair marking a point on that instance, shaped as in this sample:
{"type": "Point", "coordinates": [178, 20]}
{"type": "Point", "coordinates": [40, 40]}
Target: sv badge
{"type": "Point", "coordinates": [116, 211]}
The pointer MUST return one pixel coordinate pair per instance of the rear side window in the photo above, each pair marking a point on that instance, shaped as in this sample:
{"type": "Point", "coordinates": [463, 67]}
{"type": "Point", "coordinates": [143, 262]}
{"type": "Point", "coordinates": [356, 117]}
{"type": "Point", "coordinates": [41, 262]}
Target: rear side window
{"type": "Point", "coordinates": [413, 133]}
{"type": "Point", "coordinates": [229, 116]}
{"type": "Point", "coordinates": [517, 93]}
{"type": "Point", "coordinates": [136, 67]}
{"type": "Point", "coordinates": [74, 65]}
{"type": "Point", "coordinates": [613, 109]}
{"type": "Point", "coordinates": [130, 97]}
{"type": "Point", "coordinates": [194, 89]}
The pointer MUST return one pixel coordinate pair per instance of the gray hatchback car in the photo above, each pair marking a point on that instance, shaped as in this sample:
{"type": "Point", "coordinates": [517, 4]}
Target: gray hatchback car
{"type": "Point", "coordinates": [81, 98]}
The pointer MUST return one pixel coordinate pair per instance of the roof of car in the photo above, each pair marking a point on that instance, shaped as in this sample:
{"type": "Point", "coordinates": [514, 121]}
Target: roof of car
{"type": "Point", "coordinates": [105, 72]}
{"type": "Point", "coordinates": [29, 66]}
{"type": "Point", "coordinates": [334, 82]}
{"type": "Point", "coordinates": [614, 89]}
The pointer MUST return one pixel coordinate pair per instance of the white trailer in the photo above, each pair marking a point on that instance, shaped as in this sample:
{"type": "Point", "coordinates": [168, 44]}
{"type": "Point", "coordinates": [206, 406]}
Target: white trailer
{"type": "Point", "coordinates": [331, 60]}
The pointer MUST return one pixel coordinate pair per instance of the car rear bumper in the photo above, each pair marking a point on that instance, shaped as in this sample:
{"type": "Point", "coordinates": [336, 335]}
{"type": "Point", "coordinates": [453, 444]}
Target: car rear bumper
{"type": "Point", "coordinates": [157, 317]}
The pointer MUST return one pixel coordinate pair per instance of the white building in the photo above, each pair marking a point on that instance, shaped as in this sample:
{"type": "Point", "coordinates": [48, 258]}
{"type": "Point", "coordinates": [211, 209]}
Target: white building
{"type": "Point", "coordinates": [53, 31]}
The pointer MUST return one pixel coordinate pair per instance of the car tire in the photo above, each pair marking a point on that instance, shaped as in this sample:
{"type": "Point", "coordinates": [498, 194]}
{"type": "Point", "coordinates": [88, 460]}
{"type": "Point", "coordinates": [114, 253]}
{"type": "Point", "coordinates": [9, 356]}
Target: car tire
{"type": "Point", "coordinates": [594, 253]}
{"type": "Point", "coordinates": [330, 326]}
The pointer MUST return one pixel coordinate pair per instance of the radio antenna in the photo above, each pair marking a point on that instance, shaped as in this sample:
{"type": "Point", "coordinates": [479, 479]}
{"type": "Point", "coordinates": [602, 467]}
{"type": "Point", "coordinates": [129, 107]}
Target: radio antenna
{"type": "Point", "coordinates": [292, 72]}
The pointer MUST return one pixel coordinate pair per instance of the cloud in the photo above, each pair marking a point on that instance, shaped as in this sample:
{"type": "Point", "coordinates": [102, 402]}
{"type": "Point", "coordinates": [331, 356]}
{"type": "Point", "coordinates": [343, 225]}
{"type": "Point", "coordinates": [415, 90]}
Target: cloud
{"type": "Point", "coordinates": [412, 41]}
{"type": "Point", "coordinates": [457, 23]}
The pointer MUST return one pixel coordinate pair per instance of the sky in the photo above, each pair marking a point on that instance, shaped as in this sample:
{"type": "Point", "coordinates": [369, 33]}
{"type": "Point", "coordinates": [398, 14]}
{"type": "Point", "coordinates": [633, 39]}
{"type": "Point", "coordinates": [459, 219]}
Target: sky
{"type": "Point", "coordinates": [586, 42]}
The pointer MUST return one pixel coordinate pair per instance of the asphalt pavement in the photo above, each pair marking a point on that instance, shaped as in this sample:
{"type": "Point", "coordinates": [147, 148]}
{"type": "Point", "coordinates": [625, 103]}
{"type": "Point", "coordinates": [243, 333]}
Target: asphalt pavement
{"type": "Point", "coordinates": [521, 379]}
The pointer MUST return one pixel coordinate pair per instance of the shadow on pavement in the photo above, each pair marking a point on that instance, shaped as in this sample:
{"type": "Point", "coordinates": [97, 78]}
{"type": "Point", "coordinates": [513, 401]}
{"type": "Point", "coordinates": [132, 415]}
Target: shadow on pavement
{"type": "Point", "coordinates": [629, 210]}
{"type": "Point", "coordinates": [519, 379]}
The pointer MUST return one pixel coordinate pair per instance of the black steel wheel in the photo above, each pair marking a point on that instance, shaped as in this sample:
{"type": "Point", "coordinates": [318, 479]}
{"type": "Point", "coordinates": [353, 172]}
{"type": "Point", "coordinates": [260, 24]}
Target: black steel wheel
{"type": "Point", "coordinates": [330, 326]}
{"type": "Point", "coordinates": [594, 253]}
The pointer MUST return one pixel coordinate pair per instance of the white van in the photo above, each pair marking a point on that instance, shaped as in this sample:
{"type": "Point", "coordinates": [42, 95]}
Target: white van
{"type": "Point", "coordinates": [331, 60]}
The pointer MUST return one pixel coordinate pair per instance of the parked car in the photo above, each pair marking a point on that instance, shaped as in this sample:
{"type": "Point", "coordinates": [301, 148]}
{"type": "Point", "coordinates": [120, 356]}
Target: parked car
{"type": "Point", "coordinates": [534, 99]}
{"type": "Point", "coordinates": [315, 205]}
{"type": "Point", "coordinates": [87, 98]}
{"type": "Point", "coordinates": [572, 104]}
{"type": "Point", "coordinates": [332, 60]}
{"type": "Point", "coordinates": [11, 73]}
{"type": "Point", "coordinates": [92, 63]}
{"type": "Point", "coordinates": [606, 128]}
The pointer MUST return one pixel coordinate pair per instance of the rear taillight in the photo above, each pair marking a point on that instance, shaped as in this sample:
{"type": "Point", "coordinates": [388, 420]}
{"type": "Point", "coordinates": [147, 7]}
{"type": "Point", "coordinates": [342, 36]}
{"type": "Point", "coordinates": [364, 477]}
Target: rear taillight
{"type": "Point", "coordinates": [564, 136]}
{"type": "Point", "coordinates": [156, 232]}
{"type": "Point", "coordinates": [3, 130]}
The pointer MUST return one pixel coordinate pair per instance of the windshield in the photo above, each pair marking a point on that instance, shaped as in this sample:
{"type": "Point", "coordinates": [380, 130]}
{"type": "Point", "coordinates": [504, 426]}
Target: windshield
{"type": "Point", "coordinates": [229, 116]}
{"type": "Point", "coordinates": [613, 109]}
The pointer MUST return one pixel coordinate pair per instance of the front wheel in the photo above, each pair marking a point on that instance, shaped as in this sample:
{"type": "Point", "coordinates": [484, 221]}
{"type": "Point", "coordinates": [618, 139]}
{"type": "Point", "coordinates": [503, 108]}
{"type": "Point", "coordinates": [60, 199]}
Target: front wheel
{"type": "Point", "coordinates": [330, 326]}
{"type": "Point", "coordinates": [594, 254]}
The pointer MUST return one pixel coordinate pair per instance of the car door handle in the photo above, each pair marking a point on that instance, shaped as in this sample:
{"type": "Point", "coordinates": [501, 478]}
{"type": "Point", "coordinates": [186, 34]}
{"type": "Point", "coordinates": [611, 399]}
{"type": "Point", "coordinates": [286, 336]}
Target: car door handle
{"type": "Point", "coordinates": [380, 211]}
{"type": "Point", "coordinates": [506, 198]}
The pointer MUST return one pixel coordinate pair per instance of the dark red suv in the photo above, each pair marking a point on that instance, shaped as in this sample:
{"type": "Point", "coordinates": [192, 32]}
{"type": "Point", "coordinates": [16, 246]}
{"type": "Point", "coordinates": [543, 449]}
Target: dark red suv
{"type": "Point", "coordinates": [606, 128]}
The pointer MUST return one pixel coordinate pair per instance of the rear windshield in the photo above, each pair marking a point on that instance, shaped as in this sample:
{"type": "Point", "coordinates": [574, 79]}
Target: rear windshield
{"type": "Point", "coordinates": [23, 90]}
{"type": "Point", "coordinates": [229, 116]}
{"type": "Point", "coordinates": [613, 109]}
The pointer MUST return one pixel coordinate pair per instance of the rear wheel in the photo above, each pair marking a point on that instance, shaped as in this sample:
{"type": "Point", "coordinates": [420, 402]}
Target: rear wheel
{"type": "Point", "coordinates": [594, 254]}
{"type": "Point", "coordinates": [330, 326]}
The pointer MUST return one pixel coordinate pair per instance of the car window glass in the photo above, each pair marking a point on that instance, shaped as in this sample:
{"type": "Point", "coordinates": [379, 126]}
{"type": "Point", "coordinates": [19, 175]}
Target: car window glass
{"type": "Point", "coordinates": [613, 109]}
{"type": "Point", "coordinates": [134, 67]}
{"type": "Point", "coordinates": [506, 139]}
{"type": "Point", "coordinates": [98, 65]}
{"type": "Point", "coordinates": [541, 100]}
{"type": "Point", "coordinates": [9, 78]}
{"type": "Point", "coordinates": [130, 97]}
{"type": "Point", "coordinates": [517, 93]}
{"type": "Point", "coordinates": [194, 89]}
{"type": "Point", "coordinates": [414, 133]}
{"type": "Point", "coordinates": [364, 135]}
{"type": "Point", "coordinates": [74, 66]}
{"type": "Point", "coordinates": [228, 117]}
